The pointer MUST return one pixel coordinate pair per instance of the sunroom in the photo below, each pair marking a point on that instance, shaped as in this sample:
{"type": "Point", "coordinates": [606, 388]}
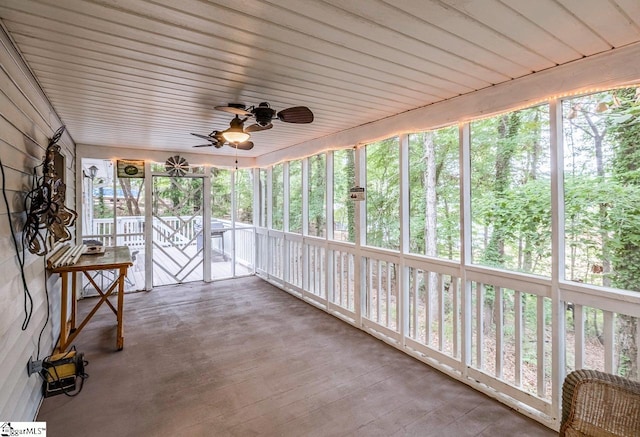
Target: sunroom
{"type": "Point", "coordinates": [466, 192]}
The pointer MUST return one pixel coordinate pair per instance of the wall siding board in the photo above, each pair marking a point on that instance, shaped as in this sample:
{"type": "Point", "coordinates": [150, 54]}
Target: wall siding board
{"type": "Point", "coordinates": [27, 121]}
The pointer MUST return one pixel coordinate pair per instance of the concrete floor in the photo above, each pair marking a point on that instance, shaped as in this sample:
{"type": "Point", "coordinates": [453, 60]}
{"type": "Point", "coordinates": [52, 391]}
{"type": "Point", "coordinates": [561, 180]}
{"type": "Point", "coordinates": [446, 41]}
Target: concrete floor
{"type": "Point", "coordinates": [242, 358]}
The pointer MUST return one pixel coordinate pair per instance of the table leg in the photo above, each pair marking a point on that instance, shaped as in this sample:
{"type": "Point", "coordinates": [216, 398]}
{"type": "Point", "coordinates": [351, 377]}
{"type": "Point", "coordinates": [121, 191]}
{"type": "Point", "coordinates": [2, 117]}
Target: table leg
{"type": "Point", "coordinates": [120, 336]}
{"type": "Point", "coordinates": [74, 300]}
{"type": "Point", "coordinates": [63, 312]}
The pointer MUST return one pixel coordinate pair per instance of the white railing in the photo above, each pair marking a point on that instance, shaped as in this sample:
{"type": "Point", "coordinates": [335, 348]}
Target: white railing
{"type": "Point", "coordinates": [495, 330]}
{"type": "Point", "coordinates": [381, 295]}
{"type": "Point", "coordinates": [245, 243]}
{"type": "Point", "coordinates": [166, 230]}
{"type": "Point", "coordinates": [179, 230]}
{"type": "Point", "coordinates": [342, 293]}
{"type": "Point", "coordinates": [315, 282]}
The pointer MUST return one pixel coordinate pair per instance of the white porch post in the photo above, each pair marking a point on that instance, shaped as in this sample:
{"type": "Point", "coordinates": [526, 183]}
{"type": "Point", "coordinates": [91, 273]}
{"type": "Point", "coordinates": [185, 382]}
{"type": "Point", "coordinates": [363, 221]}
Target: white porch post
{"type": "Point", "coordinates": [206, 226]}
{"type": "Point", "coordinates": [305, 223]}
{"type": "Point", "coordinates": [148, 229]}
{"type": "Point", "coordinates": [557, 256]}
{"type": "Point", "coordinates": [360, 222]}
{"type": "Point", "coordinates": [329, 260]}
{"type": "Point", "coordinates": [464, 132]}
{"type": "Point", "coordinates": [403, 283]}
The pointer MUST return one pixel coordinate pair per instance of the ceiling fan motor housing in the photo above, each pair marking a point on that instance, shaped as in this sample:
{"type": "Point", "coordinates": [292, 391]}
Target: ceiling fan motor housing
{"type": "Point", "coordinates": [263, 114]}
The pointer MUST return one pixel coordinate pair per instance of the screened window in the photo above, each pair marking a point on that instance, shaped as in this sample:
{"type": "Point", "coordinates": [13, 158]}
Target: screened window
{"type": "Point", "coordinates": [511, 191]}
{"type": "Point", "coordinates": [295, 197]}
{"type": "Point", "coordinates": [434, 193]}
{"type": "Point", "coordinates": [243, 180]}
{"type": "Point", "coordinates": [108, 199]}
{"type": "Point", "coordinates": [220, 194]}
{"type": "Point", "coordinates": [317, 195]}
{"type": "Point", "coordinates": [262, 198]}
{"type": "Point", "coordinates": [602, 188]}
{"type": "Point", "coordinates": [344, 227]}
{"type": "Point", "coordinates": [383, 193]}
{"type": "Point", "coordinates": [277, 197]}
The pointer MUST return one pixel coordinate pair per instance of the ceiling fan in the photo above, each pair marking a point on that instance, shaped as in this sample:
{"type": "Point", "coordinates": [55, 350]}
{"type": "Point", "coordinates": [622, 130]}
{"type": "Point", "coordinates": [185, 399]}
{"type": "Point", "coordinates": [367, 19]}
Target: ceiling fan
{"type": "Point", "coordinates": [237, 136]}
{"type": "Point", "coordinates": [264, 114]}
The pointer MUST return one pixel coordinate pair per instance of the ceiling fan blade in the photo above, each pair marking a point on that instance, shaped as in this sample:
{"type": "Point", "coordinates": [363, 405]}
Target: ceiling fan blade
{"type": "Point", "coordinates": [204, 145]}
{"type": "Point", "coordinates": [296, 114]}
{"type": "Point", "coordinates": [204, 137]}
{"type": "Point", "coordinates": [247, 145]}
{"type": "Point", "coordinates": [257, 127]}
{"type": "Point", "coordinates": [234, 109]}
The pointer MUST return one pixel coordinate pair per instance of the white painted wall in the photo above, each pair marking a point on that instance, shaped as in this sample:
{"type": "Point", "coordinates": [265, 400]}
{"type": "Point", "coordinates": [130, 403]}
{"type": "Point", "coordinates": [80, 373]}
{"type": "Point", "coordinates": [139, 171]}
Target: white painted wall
{"type": "Point", "coordinates": [27, 121]}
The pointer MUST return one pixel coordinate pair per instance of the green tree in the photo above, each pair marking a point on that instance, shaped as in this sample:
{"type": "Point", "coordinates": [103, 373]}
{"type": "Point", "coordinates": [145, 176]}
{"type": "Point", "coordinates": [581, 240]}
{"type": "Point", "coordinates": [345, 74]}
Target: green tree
{"type": "Point", "coordinates": [343, 180]}
{"type": "Point", "coordinates": [295, 196]}
{"type": "Point", "coordinates": [511, 191]}
{"type": "Point", "coordinates": [220, 193]}
{"type": "Point", "coordinates": [243, 180]}
{"type": "Point", "coordinates": [625, 215]}
{"type": "Point", "coordinates": [383, 193]}
{"type": "Point", "coordinates": [132, 201]}
{"type": "Point", "coordinates": [317, 195]}
{"type": "Point", "coordinates": [277, 197]}
{"type": "Point", "coordinates": [443, 172]}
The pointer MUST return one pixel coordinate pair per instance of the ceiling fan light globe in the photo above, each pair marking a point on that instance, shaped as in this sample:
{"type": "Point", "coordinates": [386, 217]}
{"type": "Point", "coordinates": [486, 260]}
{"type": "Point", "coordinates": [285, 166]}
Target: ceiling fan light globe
{"type": "Point", "coordinates": [233, 136]}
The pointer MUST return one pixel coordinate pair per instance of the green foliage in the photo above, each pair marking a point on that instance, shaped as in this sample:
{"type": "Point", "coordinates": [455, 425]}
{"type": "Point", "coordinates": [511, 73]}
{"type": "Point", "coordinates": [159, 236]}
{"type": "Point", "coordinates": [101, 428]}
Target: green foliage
{"type": "Point", "coordinates": [317, 195]}
{"type": "Point", "coordinates": [243, 180]}
{"type": "Point", "coordinates": [624, 213]}
{"type": "Point", "coordinates": [102, 211]}
{"type": "Point", "coordinates": [262, 198]}
{"type": "Point", "coordinates": [510, 194]}
{"type": "Point", "coordinates": [295, 197]}
{"type": "Point", "coordinates": [177, 196]}
{"type": "Point", "coordinates": [343, 207]}
{"type": "Point", "coordinates": [220, 193]}
{"type": "Point", "coordinates": [277, 197]}
{"type": "Point", "coordinates": [447, 186]}
{"type": "Point", "coordinates": [383, 194]}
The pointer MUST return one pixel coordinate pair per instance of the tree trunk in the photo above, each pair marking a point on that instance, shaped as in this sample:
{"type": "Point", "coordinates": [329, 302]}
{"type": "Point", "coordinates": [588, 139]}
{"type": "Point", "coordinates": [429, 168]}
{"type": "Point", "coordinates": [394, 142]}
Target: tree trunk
{"type": "Point", "coordinates": [507, 130]}
{"type": "Point", "coordinates": [133, 208]}
{"type": "Point", "coordinates": [626, 254]}
{"type": "Point", "coordinates": [533, 161]}
{"type": "Point", "coordinates": [598, 137]}
{"type": "Point", "coordinates": [429, 182]}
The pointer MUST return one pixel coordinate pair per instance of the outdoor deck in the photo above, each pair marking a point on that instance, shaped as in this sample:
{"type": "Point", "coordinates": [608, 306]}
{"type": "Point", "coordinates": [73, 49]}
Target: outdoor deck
{"type": "Point", "coordinates": [164, 260]}
{"type": "Point", "coordinates": [242, 358]}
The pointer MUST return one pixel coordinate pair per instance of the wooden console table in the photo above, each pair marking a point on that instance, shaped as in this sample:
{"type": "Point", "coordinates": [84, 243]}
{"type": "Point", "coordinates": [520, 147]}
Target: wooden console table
{"type": "Point", "coordinates": [114, 258]}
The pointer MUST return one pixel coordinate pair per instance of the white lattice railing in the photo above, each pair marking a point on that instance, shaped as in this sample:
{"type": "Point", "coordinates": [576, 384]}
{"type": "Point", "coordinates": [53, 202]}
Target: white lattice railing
{"type": "Point", "coordinates": [130, 231]}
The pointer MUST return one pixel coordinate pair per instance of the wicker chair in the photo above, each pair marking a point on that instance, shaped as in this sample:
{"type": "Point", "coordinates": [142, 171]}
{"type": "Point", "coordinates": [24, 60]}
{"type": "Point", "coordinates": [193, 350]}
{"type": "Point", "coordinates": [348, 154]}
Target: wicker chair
{"type": "Point", "coordinates": [599, 404]}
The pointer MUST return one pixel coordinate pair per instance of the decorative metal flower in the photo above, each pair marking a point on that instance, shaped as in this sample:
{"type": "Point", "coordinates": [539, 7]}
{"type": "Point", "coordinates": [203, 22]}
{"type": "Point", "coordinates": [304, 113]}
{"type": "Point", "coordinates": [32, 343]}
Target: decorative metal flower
{"type": "Point", "coordinates": [45, 204]}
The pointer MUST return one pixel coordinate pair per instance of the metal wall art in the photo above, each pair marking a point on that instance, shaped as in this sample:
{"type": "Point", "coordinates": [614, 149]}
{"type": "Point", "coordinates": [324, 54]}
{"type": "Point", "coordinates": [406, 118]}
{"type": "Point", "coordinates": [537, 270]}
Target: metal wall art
{"type": "Point", "coordinates": [130, 168]}
{"type": "Point", "coordinates": [48, 219]}
{"type": "Point", "coordinates": [176, 166]}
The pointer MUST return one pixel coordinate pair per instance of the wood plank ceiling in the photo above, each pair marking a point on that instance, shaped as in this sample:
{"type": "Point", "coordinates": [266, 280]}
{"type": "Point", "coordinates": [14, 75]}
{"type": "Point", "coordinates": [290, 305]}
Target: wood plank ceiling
{"type": "Point", "coordinates": [146, 73]}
